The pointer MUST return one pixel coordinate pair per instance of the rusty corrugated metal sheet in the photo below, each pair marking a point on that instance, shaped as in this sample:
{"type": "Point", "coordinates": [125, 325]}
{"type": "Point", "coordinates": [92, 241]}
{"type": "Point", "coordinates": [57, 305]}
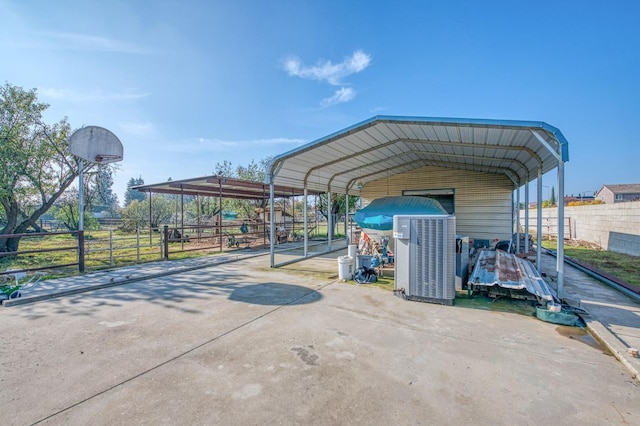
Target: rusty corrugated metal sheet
{"type": "Point", "coordinates": [506, 270]}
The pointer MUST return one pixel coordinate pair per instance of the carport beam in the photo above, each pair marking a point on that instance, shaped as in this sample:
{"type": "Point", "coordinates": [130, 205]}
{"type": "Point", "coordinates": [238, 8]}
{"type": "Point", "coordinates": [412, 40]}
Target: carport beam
{"type": "Point", "coordinates": [306, 225]}
{"type": "Point", "coordinates": [330, 220]}
{"type": "Point", "coordinates": [271, 224]}
{"type": "Point", "coordinates": [539, 222]}
{"type": "Point", "coordinates": [526, 216]}
{"type": "Point", "coordinates": [560, 243]}
{"type": "Point", "coordinates": [518, 219]}
{"type": "Point", "coordinates": [560, 259]}
{"type": "Point", "coordinates": [346, 217]}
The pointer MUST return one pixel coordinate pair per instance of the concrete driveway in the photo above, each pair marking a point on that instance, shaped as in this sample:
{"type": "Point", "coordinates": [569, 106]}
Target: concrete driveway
{"type": "Point", "coordinates": [243, 344]}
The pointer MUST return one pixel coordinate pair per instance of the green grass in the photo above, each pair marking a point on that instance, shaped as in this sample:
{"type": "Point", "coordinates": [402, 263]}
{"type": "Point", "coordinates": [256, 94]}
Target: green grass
{"type": "Point", "coordinates": [385, 283]}
{"type": "Point", "coordinates": [97, 255]}
{"type": "Point", "coordinates": [38, 260]}
{"type": "Point", "coordinates": [477, 301]}
{"type": "Point", "coordinates": [623, 266]}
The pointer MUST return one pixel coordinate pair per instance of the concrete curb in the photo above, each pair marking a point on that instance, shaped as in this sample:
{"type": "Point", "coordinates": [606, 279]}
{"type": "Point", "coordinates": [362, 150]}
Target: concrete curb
{"type": "Point", "coordinates": [607, 339]}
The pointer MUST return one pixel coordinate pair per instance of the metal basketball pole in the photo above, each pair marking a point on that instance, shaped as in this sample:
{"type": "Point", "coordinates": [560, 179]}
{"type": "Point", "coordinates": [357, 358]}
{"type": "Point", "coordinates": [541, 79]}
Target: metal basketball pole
{"type": "Point", "coordinates": [81, 194]}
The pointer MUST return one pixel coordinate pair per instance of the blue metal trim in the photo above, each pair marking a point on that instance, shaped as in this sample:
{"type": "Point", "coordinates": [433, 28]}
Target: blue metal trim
{"type": "Point", "coordinates": [564, 144]}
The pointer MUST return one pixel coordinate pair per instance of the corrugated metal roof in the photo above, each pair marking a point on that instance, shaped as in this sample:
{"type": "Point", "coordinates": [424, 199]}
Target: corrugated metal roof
{"type": "Point", "coordinates": [506, 270]}
{"type": "Point", "coordinates": [215, 186]}
{"type": "Point", "coordinates": [386, 145]}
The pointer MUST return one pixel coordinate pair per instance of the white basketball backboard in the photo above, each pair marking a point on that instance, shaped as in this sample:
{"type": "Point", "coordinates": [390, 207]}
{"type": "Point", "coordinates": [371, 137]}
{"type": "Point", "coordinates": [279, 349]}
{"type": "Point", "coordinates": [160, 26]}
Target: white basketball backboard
{"type": "Point", "coordinates": [96, 145]}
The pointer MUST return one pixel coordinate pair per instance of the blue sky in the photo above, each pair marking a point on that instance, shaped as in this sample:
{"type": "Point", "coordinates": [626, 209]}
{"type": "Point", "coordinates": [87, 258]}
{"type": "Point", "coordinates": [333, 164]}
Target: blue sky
{"type": "Point", "coordinates": [187, 84]}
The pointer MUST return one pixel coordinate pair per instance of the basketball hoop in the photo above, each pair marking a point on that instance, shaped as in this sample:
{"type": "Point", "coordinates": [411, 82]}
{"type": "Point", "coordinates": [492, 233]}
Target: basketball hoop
{"type": "Point", "coordinates": [107, 158]}
{"type": "Point", "coordinates": [96, 145]}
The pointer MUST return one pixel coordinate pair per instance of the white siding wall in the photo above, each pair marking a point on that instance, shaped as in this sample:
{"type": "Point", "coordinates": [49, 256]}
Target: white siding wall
{"type": "Point", "coordinates": [482, 200]}
{"type": "Point", "coordinates": [606, 196]}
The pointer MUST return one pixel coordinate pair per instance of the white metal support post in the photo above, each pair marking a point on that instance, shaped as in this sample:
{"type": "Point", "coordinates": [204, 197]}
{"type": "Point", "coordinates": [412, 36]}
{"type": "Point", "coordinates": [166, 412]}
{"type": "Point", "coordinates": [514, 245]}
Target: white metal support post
{"type": "Point", "coordinates": [346, 217]}
{"type": "Point", "coordinates": [526, 216]}
{"type": "Point", "coordinates": [330, 219]}
{"type": "Point", "coordinates": [539, 221]}
{"type": "Point", "coordinates": [272, 233]}
{"type": "Point", "coordinates": [560, 257]}
{"type": "Point", "coordinates": [306, 225]}
{"type": "Point", "coordinates": [518, 219]}
{"type": "Point", "coordinates": [560, 254]}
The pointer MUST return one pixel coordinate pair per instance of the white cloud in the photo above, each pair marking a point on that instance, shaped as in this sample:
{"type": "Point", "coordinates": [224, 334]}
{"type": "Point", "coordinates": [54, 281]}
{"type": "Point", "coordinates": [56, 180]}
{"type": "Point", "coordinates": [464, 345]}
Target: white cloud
{"type": "Point", "coordinates": [344, 94]}
{"type": "Point", "coordinates": [84, 96]}
{"type": "Point", "coordinates": [328, 71]}
{"type": "Point", "coordinates": [139, 129]}
{"type": "Point", "coordinates": [76, 41]}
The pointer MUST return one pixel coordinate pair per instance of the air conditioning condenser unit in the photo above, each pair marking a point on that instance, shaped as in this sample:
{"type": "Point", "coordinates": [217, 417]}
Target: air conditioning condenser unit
{"type": "Point", "coordinates": [425, 257]}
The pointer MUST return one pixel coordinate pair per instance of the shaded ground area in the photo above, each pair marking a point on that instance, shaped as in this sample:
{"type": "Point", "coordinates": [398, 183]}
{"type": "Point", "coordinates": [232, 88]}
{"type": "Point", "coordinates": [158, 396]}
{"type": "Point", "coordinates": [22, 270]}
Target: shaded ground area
{"type": "Point", "coordinates": [240, 343]}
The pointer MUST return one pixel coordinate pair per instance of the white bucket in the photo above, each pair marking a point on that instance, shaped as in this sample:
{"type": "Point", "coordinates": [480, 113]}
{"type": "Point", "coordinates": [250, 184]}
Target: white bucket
{"type": "Point", "coordinates": [352, 251]}
{"type": "Point", "coordinates": [554, 307]}
{"type": "Point", "coordinates": [345, 268]}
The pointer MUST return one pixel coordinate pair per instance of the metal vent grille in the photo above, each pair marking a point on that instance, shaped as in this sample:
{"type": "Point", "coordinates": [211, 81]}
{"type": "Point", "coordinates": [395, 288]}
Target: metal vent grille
{"type": "Point", "coordinates": [433, 252]}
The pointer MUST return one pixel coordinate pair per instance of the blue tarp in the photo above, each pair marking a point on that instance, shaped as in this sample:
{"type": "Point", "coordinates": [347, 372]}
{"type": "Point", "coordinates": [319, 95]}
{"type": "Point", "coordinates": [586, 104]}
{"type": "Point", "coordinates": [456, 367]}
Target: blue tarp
{"type": "Point", "coordinates": [379, 214]}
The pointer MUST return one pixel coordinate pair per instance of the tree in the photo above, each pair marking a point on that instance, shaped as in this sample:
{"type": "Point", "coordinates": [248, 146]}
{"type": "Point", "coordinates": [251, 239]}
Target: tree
{"type": "Point", "coordinates": [99, 188]}
{"type": "Point", "coordinates": [98, 196]}
{"type": "Point", "coordinates": [36, 166]}
{"type": "Point", "coordinates": [338, 203]}
{"type": "Point", "coordinates": [136, 214]}
{"type": "Point", "coordinates": [254, 172]}
{"type": "Point", "coordinates": [224, 169]}
{"type": "Point", "coordinates": [553, 196]}
{"type": "Point", "coordinates": [133, 194]}
{"type": "Point", "coordinates": [66, 211]}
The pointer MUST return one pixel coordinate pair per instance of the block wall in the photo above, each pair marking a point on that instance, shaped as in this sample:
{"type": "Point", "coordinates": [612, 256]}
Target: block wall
{"type": "Point", "coordinates": [614, 227]}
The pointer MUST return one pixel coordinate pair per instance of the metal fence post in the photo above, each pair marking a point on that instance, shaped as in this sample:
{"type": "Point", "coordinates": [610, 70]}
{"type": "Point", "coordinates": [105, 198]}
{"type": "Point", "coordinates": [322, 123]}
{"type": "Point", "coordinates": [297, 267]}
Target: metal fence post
{"type": "Point", "coordinates": [137, 244]}
{"type": "Point", "coordinates": [110, 247]}
{"type": "Point", "coordinates": [81, 251]}
{"type": "Point", "coordinates": [166, 242]}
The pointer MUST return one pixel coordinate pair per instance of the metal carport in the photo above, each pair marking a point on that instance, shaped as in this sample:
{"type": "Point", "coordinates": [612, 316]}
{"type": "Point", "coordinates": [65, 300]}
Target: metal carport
{"type": "Point", "coordinates": [343, 162]}
{"type": "Point", "coordinates": [219, 187]}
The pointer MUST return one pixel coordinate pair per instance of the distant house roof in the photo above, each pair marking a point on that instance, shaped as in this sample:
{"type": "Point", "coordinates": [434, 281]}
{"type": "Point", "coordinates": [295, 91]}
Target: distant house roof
{"type": "Point", "coordinates": [625, 188]}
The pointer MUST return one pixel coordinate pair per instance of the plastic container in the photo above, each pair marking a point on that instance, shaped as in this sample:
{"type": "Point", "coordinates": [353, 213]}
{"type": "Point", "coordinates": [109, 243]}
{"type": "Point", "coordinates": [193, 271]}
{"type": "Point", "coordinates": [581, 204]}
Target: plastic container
{"type": "Point", "coordinates": [345, 268]}
{"type": "Point", "coordinates": [363, 261]}
{"type": "Point", "coordinates": [352, 251]}
{"type": "Point", "coordinates": [563, 317]}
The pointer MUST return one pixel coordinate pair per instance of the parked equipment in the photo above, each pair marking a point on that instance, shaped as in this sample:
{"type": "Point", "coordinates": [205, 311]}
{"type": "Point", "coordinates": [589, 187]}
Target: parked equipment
{"type": "Point", "coordinates": [376, 219]}
{"type": "Point", "coordinates": [14, 290]}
